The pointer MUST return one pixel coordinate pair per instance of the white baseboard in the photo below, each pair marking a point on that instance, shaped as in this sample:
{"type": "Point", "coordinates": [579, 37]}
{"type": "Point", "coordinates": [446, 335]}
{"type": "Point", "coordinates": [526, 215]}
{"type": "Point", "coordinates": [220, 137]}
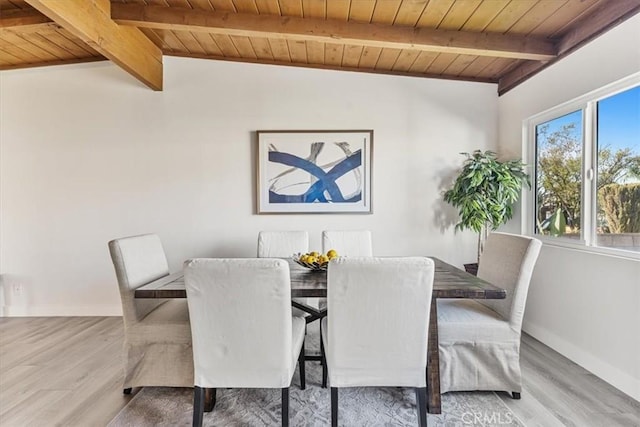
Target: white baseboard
{"type": "Point", "coordinates": [614, 376]}
{"type": "Point", "coordinates": [60, 311]}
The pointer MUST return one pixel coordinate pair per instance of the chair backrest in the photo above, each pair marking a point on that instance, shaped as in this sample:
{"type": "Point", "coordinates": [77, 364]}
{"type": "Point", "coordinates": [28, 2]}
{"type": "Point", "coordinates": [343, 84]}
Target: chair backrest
{"type": "Point", "coordinates": [282, 244]}
{"type": "Point", "coordinates": [378, 321]}
{"type": "Point", "coordinates": [348, 243]}
{"type": "Point", "coordinates": [240, 311]}
{"type": "Point", "coordinates": [138, 260]}
{"type": "Point", "coordinates": [508, 261]}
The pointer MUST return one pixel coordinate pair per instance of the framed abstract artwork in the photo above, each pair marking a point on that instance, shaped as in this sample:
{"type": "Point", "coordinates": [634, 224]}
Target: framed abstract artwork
{"type": "Point", "coordinates": [314, 171]}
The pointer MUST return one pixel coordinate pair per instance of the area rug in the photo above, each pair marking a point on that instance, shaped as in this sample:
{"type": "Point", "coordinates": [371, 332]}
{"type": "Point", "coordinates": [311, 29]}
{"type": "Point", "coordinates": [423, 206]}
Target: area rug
{"type": "Point", "coordinates": [366, 406]}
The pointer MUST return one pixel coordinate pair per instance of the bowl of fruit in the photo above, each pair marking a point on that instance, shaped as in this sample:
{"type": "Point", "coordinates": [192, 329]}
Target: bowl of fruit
{"type": "Point", "coordinates": [315, 261]}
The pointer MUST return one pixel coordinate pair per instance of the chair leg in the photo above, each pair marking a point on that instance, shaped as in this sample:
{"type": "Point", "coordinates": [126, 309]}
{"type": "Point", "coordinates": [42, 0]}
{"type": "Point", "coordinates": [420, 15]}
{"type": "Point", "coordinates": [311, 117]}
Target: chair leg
{"type": "Point", "coordinates": [421, 403]}
{"type": "Point", "coordinates": [126, 391]}
{"type": "Point", "coordinates": [515, 395]}
{"type": "Point", "coordinates": [323, 361]}
{"type": "Point", "coordinates": [334, 406]}
{"type": "Point", "coordinates": [209, 399]}
{"type": "Point", "coordinates": [198, 406]}
{"type": "Point", "coordinates": [302, 368]}
{"type": "Point", "coordinates": [285, 407]}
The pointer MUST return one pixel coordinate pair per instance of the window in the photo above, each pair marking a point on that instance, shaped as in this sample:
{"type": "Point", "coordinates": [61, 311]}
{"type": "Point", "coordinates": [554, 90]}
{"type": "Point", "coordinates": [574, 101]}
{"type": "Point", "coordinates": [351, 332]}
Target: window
{"type": "Point", "coordinates": [618, 177]}
{"type": "Point", "coordinates": [586, 155]}
{"type": "Point", "coordinates": [559, 176]}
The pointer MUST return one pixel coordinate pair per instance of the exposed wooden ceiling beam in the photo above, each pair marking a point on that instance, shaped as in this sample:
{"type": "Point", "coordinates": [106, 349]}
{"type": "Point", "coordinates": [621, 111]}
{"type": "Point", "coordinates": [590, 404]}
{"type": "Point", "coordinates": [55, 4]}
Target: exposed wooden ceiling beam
{"type": "Point", "coordinates": [24, 21]}
{"type": "Point", "coordinates": [603, 18]}
{"type": "Point", "coordinates": [90, 20]}
{"type": "Point", "coordinates": [23, 18]}
{"type": "Point", "coordinates": [54, 62]}
{"type": "Point", "coordinates": [333, 31]}
{"type": "Point", "coordinates": [333, 67]}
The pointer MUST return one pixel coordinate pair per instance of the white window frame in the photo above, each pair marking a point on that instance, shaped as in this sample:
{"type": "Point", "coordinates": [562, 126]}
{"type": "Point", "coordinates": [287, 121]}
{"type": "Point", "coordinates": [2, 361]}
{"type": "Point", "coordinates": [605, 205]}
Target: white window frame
{"type": "Point", "coordinates": [588, 104]}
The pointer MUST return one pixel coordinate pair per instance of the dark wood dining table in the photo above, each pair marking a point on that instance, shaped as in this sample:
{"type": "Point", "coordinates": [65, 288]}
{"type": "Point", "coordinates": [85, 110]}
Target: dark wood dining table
{"type": "Point", "coordinates": [449, 282]}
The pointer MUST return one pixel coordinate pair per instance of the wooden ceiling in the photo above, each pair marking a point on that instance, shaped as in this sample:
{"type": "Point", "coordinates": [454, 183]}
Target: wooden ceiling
{"type": "Point", "coordinates": [499, 41]}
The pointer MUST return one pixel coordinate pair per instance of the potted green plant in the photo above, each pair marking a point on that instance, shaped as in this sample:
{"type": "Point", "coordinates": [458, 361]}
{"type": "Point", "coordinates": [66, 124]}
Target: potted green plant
{"type": "Point", "coordinates": [484, 193]}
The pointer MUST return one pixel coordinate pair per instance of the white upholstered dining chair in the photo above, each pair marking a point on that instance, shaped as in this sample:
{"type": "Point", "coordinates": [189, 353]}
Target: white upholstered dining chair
{"type": "Point", "coordinates": [283, 244]}
{"type": "Point", "coordinates": [351, 243]}
{"type": "Point", "coordinates": [375, 333]}
{"type": "Point", "coordinates": [244, 335]}
{"type": "Point", "coordinates": [157, 341]}
{"type": "Point", "coordinates": [348, 243]}
{"type": "Point", "coordinates": [480, 339]}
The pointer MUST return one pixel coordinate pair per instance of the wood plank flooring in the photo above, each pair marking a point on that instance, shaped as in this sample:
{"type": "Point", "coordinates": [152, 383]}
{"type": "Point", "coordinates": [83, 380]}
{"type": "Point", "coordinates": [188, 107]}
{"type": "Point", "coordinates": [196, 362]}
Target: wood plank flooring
{"type": "Point", "coordinates": [67, 371]}
{"type": "Point", "coordinates": [63, 371]}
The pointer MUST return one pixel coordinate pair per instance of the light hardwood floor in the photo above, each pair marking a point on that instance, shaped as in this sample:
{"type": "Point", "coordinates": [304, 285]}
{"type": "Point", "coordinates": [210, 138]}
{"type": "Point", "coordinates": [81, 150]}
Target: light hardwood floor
{"type": "Point", "coordinates": [67, 371]}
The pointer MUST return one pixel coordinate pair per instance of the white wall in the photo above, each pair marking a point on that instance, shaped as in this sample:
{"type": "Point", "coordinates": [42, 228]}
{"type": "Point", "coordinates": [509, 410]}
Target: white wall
{"type": "Point", "coordinates": [88, 155]}
{"type": "Point", "coordinates": [586, 306]}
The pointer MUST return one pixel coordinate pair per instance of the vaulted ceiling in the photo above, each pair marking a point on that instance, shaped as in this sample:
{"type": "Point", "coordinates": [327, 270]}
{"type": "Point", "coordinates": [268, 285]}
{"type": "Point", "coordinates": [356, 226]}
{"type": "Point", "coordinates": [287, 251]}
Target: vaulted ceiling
{"type": "Point", "coordinates": [499, 41]}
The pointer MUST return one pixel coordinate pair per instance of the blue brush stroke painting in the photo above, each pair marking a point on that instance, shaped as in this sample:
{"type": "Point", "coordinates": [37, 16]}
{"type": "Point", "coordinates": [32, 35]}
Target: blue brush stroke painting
{"type": "Point", "coordinates": [326, 181]}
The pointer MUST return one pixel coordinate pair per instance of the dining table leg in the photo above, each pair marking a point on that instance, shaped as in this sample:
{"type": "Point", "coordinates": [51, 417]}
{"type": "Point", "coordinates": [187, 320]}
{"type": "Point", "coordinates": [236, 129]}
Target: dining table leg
{"type": "Point", "coordinates": [434, 405]}
{"type": "Point", "coordinates": [314, 314]}
{"type": "Point", "coordinates": [209, 399]}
